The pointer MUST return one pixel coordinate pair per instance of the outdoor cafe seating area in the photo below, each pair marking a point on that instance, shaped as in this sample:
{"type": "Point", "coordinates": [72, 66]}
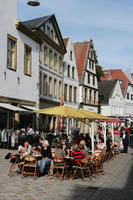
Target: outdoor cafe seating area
{"type": "Point", "coordinates": [82, 156]}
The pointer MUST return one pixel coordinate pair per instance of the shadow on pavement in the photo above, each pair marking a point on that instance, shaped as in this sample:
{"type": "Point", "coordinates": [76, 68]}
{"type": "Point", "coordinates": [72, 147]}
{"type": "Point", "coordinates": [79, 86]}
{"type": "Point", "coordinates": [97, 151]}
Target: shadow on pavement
{"type": "Point", "coordinates": [120, 189]}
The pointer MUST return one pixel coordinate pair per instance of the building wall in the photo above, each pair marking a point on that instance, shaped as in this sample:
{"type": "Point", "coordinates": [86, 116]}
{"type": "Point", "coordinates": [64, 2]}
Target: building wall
{"type": "Point", "coordinates": [14, 83]}
{"type": "Point", "coordinates": [52, 71]}
{"type": "Point", "coordinates": [89, 84]}
{"type": "Point", "coordinates": [129, 100]}
{"type": "Point", "coordinates": [69, 79]}
{"type": "Point", "coordinates": [116, 104]}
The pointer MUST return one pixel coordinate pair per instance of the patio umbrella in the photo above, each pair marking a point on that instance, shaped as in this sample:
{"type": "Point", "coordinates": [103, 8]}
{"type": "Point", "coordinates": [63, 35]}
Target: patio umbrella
{"type": "Point", "coordinates": [94, 115]}
{"type": "Point", "coordinates": [64, 112]}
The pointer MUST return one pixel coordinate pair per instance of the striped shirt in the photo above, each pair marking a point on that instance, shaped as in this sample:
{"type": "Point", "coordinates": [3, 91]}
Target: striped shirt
{"type": "Point", "coordinates": [77, 155]}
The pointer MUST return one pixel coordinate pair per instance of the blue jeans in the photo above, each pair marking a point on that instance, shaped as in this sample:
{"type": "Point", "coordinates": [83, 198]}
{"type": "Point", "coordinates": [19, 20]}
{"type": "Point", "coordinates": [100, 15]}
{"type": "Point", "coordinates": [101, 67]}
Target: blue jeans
{"type": "Point", "coordinates": [42, 164]}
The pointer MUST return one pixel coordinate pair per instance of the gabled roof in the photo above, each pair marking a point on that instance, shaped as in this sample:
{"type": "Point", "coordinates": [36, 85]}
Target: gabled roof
{"type": "Point", "coordinates": [80, 49]}
{"type": "Point", "coordinates": [116, 74]}
{"type": "Point", "coordinates": [66, 41]}
{"type": "Point", "coordinates": [105, 94]}
{"type": "Point", "coordinates": [36, 23]}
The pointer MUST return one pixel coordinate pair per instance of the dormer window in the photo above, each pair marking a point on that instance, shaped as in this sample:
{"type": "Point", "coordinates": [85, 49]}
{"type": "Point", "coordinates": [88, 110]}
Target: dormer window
{"type": "Point", "coordinates": [120, 81]}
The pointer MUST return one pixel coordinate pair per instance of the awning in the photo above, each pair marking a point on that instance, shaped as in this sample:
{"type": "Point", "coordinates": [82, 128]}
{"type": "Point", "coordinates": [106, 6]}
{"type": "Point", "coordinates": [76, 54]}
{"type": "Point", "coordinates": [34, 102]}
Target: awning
{"type": "Point", "coordinates": [31, 108]}
{"type": "Point", "coordinates": [11, 107]}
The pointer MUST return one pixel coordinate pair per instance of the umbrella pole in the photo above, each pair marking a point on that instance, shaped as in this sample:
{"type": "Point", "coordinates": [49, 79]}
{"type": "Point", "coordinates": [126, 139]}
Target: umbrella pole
{"type": "Point", "coordinates": [92, 136]}
{"type": "Point", "coordinates": [105, 133]}
{"type": "Point", "coordinates": [112, 133]}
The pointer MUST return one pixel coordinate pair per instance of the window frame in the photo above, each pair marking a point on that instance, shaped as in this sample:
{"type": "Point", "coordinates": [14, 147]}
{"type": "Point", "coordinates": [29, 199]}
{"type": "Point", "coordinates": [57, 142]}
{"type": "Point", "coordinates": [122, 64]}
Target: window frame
{"type": "Point", "coordinates": [30, 60]}
{"type": "Point", "coordinates": [60, 64]}
{"type": "Point", "coordinates": [55, 88]}
{"type": "Point", "coordinates": [50, 85]}
{"type": "Point", "coordinates": [45, 84]}
{"type": "Point", "coordinates": [50, 58]}
{"type": "Point", "coordinates": [14, 67]}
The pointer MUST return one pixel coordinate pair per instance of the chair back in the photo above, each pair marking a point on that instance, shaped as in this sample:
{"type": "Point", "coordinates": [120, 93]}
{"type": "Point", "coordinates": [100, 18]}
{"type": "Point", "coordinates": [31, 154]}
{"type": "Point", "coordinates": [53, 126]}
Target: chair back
{"type": "Point", "coordinates": [58, 161]}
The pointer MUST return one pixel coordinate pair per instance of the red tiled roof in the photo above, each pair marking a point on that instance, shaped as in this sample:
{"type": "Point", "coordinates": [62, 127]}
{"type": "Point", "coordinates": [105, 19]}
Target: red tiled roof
{"type": "Point", "coordinates": [66, 41]}
{"type": "Point", "coordinates": [116, 74]}
{"type": "Point", "coordinates": [80, 49]}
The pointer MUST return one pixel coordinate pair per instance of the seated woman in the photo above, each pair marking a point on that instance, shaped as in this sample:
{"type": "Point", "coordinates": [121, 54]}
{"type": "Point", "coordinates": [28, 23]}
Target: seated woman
{"type": "Point", "coordinates": [100, 144]}
{"type": "Point", "coordinates": [25, 149]}
{"type": "Point", "coordinates": [59, 151]}
{"type": "Point", "coordinates": [46, 156]}
{"type": "Point", "coordinates": [84, 151]}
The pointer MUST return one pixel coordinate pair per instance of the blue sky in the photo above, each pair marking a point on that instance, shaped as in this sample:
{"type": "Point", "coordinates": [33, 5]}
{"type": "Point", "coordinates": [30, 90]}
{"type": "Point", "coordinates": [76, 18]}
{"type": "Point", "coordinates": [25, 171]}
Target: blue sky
{"type": "Point", "coordinates": [107, 22]}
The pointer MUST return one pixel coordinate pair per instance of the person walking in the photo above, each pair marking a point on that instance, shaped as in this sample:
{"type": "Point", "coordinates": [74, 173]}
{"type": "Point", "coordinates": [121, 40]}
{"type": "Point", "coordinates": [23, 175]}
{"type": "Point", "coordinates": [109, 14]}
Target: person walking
{"type": "Point", "coordinates": [125, 140]}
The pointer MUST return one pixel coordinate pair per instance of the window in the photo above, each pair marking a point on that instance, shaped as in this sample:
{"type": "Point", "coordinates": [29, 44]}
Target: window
{"type": "Point", "coordinates": [127, 95]}
{"type": "Point", "coordinates": [50, 86]}
{"type": "Point", "coordinates": [45, 85]}
{"type": "Point", "coordinates": [55, 62]}
{"type": "Point", "coordinates": [50, 58]}
{"type": "Point", "coordinates": [68, 70]}
{"type": "Point", "coordinates": [48, 31]}
{"type": "Point", "coordinates": [73, 72]}
{"type": "Point", "coordinates": [106, 73]}
{"type": "Point", "coordinates": [120, 81]}
{"type": "Point", "coordinates": [40, 82]}
{"type": "Point", "coordinates": [70, 93]}
{"type": "Point", "coordinates": [89, 64]}
{"type": "Point", "coordinates": [45, 55]}
{"type": "Point", "coordinates": [56, 39]}
{"type": "Point", "coordinates": [52, 35]}
{"type": "Point", "coordinates": [75, 95]}
{"type": "Point", "coordinates": [60, 89]}
{"type": "Point", "coordinates": [40, 53]}
{"type": "Point", "coordinates": [88, 78]}
{"type": "Point", "coordinates": [55, 88]}
{"type": "Point", "coordinates": [71, 55]}
{"type": "Point", "coordinates": [92, 65]}
{"type": "Point", "coordinates": [95, 96]}
{"type": "Point", "coordinates": [86, 95]}
{"type": "Point", "coordinates": [91, 54]}
{"type": "Point", "coordinates": [65, 92]}
{"type": "Point", "coordinates": [131, 96]}
{"type": "Point", "coordinates": [90, 99]}
{"type": "Point", "coordinates": [93, 80]}
{"type": "Point", "coordinates": [12, 52]}
{"type": "Point", "coordinates": [27, 60]}
{"type": "Point", "coordinates": [60, 65]}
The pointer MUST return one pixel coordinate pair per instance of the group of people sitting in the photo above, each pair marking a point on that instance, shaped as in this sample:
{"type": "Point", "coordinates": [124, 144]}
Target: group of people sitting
{"type": "Point", "coordinates": [63, 150]}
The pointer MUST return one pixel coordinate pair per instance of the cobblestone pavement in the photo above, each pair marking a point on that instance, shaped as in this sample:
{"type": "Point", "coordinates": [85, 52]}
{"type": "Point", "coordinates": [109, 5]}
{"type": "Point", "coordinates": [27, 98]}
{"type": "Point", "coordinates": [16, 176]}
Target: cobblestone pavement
{"type": "Point", "coordinates": [116, 184]}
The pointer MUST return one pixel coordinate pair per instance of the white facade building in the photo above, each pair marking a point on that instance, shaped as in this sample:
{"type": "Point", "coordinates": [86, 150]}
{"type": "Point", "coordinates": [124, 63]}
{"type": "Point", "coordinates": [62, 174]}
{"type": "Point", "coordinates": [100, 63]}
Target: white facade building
{"type": "Point", "coordinates": [70, 82]}
{"type": "Point", "coordinates": [111, 98]}
{"type": "Point", "coordinates": [70, 79]}
{"type": "Point", "coordinates": [19, 59]}
{"type": "Point", "coordinates": [52, 50]}
{"type": "Point", "coordinates": [88, 85]}
{"type": "Point", "coordinates": [128, 98]}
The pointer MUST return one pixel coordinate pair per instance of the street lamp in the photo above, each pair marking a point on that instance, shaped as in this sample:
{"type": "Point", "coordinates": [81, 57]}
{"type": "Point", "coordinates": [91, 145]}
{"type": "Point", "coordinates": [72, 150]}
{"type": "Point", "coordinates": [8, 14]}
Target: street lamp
{"type": "Point", "coordinates": [33, 2]}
